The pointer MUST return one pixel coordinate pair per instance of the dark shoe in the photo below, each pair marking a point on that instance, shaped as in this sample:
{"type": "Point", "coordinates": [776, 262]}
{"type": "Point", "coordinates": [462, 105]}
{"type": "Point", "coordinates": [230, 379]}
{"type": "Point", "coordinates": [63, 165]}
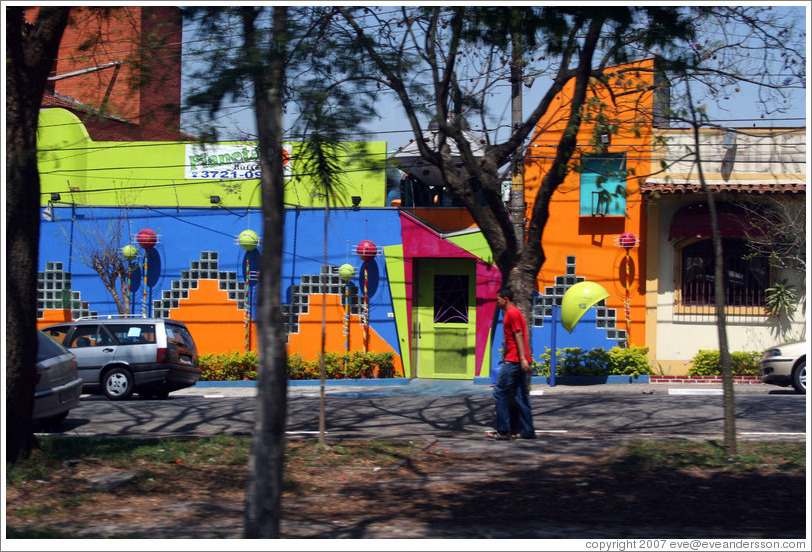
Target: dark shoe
{"type": "Point", "coordinates": [520, 436]}
{"type": "Point", "coordinates": [499, 436]}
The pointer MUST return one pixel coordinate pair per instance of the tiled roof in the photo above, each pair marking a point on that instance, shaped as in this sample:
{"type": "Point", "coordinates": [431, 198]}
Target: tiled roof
{"type": "Point", "coordinates": [715, 186]}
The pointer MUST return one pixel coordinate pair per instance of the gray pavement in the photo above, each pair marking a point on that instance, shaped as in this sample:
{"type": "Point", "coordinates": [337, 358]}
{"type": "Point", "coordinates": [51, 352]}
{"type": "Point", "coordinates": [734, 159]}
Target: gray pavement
{"type": "Point", "coordinates": [455, 388]}
{"type": "Point", "coordinates": [548, 444]}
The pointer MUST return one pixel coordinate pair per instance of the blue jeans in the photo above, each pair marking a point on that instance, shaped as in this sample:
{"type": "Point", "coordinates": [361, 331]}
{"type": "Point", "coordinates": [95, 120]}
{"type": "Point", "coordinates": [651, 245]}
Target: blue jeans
{"type": "Point", "coordinates": [512, 379]}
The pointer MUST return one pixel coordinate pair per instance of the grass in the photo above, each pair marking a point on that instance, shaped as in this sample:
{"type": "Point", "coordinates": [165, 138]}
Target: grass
{"type": "Point", "coordinates": [761, 456]}
{"type": "Point", "coordinates": [167, 464]}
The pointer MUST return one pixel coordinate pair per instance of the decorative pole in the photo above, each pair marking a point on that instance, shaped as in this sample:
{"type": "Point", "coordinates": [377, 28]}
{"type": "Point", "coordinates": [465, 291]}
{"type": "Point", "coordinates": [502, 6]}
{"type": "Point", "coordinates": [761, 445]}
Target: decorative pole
{"type": "Point", "coordinates": [146, 239]}
{"type": "Point", "coordinates": [627, 241]}
{"type": "Point", "coordinates": [347, 272]}
{"type": "Point", "coordinates": [367, 250]}
{"type": "Point", "coordinates": [248, 240]}
{"type": "Point", "coordinates": [130, 253]}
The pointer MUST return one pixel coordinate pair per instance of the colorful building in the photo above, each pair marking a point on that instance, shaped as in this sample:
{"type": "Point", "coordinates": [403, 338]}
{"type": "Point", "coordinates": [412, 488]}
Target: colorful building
{"type": "Point", "coordinates": [426, 290]}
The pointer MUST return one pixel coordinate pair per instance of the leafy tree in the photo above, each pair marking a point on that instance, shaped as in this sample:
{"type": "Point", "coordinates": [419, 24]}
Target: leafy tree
{"type": "Point", "coordinates": [444, 64]}
{"type": "Point", "coordinates": [284, 60]}
{"type": "Point", "coordinates": [30, 53]}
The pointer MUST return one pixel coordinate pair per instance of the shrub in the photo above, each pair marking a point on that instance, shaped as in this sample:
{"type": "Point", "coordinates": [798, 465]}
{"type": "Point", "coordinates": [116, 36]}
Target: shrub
{"type": "Point", "coordinates": [228, 366]}
{"type": "Point", "coordinates": [632, 361]}
{"type": "Point", "coordinates": [708, 363]}
{"type": "Point", "coordinates": [237, 366]}
{"type": "Point", "coordinates": [575, 361]}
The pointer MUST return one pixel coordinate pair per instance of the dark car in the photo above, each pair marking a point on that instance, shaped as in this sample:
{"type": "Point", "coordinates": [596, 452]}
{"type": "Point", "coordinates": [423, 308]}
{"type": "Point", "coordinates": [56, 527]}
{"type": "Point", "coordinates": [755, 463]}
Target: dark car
{"type": "Point", "coordinates": [58, 385]}
{"type": "Point", "coordinates": [121, 356]}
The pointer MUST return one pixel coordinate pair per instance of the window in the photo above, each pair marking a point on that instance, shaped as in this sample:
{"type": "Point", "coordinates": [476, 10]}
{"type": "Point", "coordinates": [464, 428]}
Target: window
{"type": "Point", "coordinates": [450, 299]}
{"type": "Point", "coordinates": [603, 185]}
{"type": "Point", "coordinates": [745, 279]}
{"type": "Point", "coordinates": [90, 336]}
{"type": "Point", "coordinates": [134, 334]}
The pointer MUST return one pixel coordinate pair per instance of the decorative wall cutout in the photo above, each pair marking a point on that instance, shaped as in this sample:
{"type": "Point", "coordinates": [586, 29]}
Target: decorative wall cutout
{"type": "Point", "coordinates": [54, 293]}
{"type": "Point", "coordinates": [207, 268]}
{"type": "Point", "coordinates": [329, 282]}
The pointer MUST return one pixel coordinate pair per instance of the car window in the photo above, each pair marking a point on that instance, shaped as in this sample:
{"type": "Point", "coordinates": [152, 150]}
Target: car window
{"type": "Point", "coordinates": [58, 333]}
{"type": "Point", "coordinates": [47, 347]}
{"type": "Point", "coordinates": [90, 336]}
{"type": "Point", "coordinates": [133, 334]}
{"type": "Point", "coordinates": [179, 336]}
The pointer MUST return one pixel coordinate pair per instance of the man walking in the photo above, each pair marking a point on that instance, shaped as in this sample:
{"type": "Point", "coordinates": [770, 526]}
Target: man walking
{"type": "Point", "coordinates": [512, 378]}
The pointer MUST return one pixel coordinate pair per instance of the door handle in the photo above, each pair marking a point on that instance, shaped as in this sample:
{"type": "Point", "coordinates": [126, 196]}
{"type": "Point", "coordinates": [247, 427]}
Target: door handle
{"type": "Point", "coordinates": [107, 350]}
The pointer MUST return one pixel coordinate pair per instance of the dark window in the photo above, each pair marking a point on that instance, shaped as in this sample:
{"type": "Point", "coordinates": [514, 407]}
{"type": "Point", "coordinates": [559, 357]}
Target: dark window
{"type": "Point", "coordinates": [450, 299]}
{"type": "Point", "coordinates": [745, 279]}
{"type": "Point", "coordinates": [90, 336]}
{"type": "Point", "coordinates": [134, 334]}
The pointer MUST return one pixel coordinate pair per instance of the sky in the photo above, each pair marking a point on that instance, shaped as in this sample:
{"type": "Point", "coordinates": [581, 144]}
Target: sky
{"type": "Point", "coordinates": [739, 110]}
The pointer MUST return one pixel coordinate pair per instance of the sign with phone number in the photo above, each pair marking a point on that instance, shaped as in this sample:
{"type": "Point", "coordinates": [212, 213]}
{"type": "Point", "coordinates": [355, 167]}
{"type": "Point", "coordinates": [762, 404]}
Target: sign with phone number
{"type": "Point", "coordinates": [228, 162]}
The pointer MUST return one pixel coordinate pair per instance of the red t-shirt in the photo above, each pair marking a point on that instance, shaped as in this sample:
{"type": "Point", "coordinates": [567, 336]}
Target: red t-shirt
{"type": "Point", "coordinates": [513, 322]}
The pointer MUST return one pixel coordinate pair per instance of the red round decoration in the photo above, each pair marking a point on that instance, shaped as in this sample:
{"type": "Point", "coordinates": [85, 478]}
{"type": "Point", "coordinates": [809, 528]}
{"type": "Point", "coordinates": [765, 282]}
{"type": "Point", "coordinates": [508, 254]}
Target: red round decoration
{"type": "Point", "coordinates": [147, 238]}
{"type": "Point", "coordinates": [367, 250]}
{"type": "Point", "coordinates": [627, 240]}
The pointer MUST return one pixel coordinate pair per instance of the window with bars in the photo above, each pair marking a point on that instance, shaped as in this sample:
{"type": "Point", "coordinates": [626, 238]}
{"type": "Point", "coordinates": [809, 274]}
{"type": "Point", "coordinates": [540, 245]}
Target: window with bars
{"type": "Point", "coordinates": [746, 279]}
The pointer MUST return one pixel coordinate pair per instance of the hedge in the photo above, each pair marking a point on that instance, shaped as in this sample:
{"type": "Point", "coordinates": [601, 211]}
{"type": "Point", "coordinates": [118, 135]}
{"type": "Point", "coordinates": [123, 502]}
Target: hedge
{"type": "Point", "coordinates": [708, 363]}
{"type": "Point", "coordinates": [575, 361]}
{"type": "Point", "coordinates": [243, 366]}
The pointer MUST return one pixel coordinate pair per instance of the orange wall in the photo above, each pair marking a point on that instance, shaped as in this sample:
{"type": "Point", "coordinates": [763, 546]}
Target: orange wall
{"type": "Point", "coordinates": [214, 321]}
{"type": "Point", "coordinates": [591, 238]}
{"type": "Point", "coordinates": [308, 341]}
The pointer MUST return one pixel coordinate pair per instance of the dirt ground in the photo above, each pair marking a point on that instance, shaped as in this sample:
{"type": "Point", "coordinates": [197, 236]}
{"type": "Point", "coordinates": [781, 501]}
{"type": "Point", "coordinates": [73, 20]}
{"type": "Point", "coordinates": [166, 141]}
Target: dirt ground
{"type": "Point", "coordinates": [433, 494]}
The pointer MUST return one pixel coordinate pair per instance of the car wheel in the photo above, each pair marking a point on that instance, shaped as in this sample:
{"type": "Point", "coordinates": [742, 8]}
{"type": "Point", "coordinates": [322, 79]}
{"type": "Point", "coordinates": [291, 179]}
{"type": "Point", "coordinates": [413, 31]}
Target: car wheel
{"type": "Point", "coordinates": [117, 384]}
{"type": "Point", "coordinates": [799, 377]}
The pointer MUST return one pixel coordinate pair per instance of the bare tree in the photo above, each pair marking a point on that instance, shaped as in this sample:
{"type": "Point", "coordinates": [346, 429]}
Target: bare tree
{"type": "Point", "coordinates": [30, 53]}
{"type": "Point", "coordinates": [96, 242]}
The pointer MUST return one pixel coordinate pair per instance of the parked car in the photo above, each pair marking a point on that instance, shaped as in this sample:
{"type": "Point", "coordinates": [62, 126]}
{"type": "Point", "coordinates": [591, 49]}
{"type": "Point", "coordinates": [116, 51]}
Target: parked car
{"type": "Point", "coordinates": [58, 385]}
{"type": "Point", "coordinates": [785, 365]}
{"type": "Point", "coordinates": [121, 356]}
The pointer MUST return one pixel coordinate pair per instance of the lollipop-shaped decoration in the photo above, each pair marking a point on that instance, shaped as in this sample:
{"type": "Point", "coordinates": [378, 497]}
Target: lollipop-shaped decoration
{"type": "Point", "coordinates": [130, 252]}
{"type": "Point", "coordinates": [248, 240]}
{"type": "Point", "coordinates": [147, 238]}
{"type": "Point", "coordinates": [347, 272]}
{"type": "Point", "coordinates": [627, 240]}
{"type": "Point", "coordinates": [367, 250]}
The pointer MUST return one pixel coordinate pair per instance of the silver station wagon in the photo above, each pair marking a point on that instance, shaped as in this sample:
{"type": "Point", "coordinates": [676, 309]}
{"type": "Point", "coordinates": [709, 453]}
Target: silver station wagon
{"type": "Point", "coordinates": [121, 356]}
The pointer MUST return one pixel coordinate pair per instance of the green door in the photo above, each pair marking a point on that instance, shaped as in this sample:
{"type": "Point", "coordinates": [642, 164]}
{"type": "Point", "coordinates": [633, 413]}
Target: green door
{"type": "Point", "coordinates": [445, 329]}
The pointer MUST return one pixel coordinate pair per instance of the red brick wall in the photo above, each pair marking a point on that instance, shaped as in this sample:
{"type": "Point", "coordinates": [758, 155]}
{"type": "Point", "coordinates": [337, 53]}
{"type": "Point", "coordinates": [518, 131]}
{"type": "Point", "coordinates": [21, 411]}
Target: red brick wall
{"type": "Point", "coordinates": [703, 379]}
{"type": "Point", "coordinates": [145, 37]}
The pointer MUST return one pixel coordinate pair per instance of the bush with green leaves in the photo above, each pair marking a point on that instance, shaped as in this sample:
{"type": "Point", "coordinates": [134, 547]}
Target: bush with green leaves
{"type": "Point", "coordinates": [575, 361]}
{"type": "Point", "coordinates": [228, 366]}
{"type": "Point", "coordinates": [238, 366]}
{"type": "Point", "coordinates": [708, 363]}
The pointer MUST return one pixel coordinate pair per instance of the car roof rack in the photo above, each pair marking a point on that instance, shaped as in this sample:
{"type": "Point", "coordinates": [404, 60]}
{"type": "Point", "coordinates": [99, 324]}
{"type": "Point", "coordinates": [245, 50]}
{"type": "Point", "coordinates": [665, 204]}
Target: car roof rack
{"type": "Point", "coordinates": [109, 316]}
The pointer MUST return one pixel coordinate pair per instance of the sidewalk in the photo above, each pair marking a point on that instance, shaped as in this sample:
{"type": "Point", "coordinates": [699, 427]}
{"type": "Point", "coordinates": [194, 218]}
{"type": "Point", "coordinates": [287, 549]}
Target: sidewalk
{"type": "Point", "coordinates": [461, 388]}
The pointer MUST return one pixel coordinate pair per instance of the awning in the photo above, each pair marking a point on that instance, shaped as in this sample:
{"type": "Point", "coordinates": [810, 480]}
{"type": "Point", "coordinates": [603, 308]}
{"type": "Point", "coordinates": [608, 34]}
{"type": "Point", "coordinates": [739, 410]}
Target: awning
{"type": "Point", "coordinates": [693, 221]}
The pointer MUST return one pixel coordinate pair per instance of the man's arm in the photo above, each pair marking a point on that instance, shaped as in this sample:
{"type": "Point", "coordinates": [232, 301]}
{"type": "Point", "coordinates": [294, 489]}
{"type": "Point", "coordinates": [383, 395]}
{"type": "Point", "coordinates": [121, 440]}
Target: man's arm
{"type": "Point", "coordinates": [519, 336]}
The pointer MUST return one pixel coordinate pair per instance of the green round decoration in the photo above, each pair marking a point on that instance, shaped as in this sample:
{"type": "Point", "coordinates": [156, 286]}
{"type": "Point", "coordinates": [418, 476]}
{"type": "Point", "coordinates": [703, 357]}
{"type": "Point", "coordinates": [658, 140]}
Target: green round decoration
{"type": "Point", "coordinates": [130, 252]}
{"type": "Point", "coordinates": [347, 272]}
{"type": "Point", "coordinates": [248, 240]}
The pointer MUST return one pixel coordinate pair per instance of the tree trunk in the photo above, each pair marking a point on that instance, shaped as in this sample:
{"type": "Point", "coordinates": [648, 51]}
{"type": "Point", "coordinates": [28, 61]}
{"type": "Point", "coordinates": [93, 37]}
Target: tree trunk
{"type": "Point", "coordinates": [728, 398]}
{"type": "Point", "coordinates": [263, 509]}
{"type": "Point", "coordinates": [30, 53]}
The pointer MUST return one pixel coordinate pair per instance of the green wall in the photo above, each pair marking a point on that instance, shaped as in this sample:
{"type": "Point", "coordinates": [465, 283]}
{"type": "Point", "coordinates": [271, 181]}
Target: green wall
{"type": "Point", "coordinates": [178, 174]}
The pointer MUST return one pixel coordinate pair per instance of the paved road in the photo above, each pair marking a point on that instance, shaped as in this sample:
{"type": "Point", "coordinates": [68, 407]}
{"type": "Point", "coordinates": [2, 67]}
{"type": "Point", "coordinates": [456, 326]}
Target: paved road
{"type": "Point", "coordinates": [458, 414]}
